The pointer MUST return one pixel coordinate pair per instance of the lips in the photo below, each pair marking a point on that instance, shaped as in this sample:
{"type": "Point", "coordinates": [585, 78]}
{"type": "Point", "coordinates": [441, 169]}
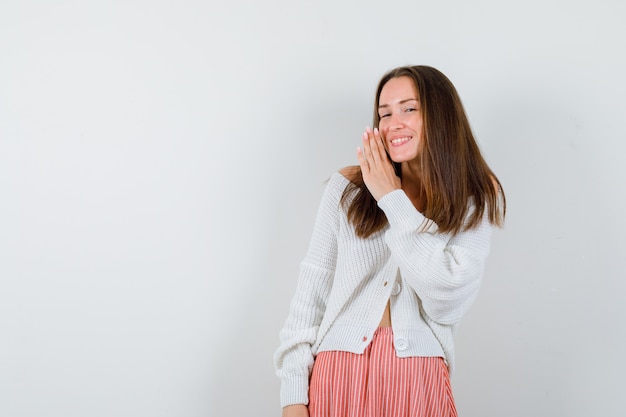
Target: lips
{"type": "Point", "coordinates": [400, 141]}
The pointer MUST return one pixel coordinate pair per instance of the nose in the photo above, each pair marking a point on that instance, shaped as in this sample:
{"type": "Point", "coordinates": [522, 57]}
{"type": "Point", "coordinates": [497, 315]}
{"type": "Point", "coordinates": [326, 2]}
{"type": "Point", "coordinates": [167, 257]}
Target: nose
{"type": "Point", "coordinates": [395, 122]}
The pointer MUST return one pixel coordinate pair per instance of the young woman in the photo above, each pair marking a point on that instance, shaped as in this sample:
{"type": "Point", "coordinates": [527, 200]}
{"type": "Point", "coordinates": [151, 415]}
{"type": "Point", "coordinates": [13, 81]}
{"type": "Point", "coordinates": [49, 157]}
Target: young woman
{"type": "Point", "coordinates": [395, 260]}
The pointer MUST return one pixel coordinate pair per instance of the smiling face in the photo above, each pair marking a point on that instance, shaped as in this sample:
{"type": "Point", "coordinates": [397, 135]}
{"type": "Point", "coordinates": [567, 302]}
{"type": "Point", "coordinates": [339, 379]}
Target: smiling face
{"type": "Point", "coordinates": [400, 119]}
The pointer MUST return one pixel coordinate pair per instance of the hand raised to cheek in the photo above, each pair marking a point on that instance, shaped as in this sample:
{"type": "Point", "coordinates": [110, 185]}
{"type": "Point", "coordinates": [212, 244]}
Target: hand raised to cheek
{"type": "Point", "coordinates": [378, 172]}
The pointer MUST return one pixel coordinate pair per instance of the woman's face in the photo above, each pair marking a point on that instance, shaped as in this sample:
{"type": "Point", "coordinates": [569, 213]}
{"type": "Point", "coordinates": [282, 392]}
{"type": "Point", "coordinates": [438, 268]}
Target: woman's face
{"type": "Point", "coordinates": [400, 119]}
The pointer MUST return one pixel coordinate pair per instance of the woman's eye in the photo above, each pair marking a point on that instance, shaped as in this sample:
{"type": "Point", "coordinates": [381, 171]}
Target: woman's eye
{"type": "Point", "coordinates": [409, 109]}
{"type": "Point", "coordinates": [382, 116]}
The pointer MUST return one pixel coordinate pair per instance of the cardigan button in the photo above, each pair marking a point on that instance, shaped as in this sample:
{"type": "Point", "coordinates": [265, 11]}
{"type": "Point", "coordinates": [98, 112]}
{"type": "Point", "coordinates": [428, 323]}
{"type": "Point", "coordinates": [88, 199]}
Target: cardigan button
{"type": "Point", "coordinates": [396, 289]}
{"type": "Point", "coordinates": [401, 344]}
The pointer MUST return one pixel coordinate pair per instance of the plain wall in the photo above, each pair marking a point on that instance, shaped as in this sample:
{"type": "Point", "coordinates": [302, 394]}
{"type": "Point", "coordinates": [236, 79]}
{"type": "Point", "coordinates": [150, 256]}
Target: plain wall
{"type": "Point", "coordinates": [161, 163]}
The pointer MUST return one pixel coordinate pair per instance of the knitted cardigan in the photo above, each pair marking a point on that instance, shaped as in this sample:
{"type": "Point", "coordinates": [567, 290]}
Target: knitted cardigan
{"type": "Point", "coordinates": [345, 282]}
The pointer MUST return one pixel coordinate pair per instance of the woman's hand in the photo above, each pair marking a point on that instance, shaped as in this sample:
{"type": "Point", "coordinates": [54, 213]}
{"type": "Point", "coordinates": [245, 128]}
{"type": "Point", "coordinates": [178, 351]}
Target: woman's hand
{"type": "Point", "coordinates": [296, 410]}
{"type": "Point", "coordinates": [378, 172]}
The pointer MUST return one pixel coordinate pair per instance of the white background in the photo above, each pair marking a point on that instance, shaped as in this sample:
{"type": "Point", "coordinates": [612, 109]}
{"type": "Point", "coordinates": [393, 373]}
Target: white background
{"type": "Point", "coordinates": [161, 163]}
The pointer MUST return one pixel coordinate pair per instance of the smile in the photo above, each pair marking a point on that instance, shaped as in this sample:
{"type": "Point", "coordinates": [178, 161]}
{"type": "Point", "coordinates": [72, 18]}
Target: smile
{"type": "Point", "coordinates": [400, 141]}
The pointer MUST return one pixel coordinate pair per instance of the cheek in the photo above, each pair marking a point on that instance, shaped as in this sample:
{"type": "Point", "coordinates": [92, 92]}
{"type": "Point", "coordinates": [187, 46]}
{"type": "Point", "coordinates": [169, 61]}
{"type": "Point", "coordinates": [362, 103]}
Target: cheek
{"type": "Point", "coordinates": [417, 123]}
{"type": "Point", "coordinates": [383, 128]}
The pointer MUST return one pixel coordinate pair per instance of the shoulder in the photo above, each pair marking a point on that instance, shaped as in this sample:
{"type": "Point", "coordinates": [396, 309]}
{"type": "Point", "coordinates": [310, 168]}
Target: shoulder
{"type": "Point", "coordinates": [496, 183]}
{"type": "Point", "coordinates": [335, 188]}
{"type": "Point", "coordinates": [345, 179]}
{"type": "Point", "coordinates": [350, 172]}
{"type": "Point", "coordinates": [338, 181]}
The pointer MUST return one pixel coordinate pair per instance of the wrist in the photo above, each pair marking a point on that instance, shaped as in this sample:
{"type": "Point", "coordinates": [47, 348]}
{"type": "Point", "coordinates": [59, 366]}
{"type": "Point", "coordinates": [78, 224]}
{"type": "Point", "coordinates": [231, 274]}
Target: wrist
{"type": "Point", "coordinates": [296, 410]}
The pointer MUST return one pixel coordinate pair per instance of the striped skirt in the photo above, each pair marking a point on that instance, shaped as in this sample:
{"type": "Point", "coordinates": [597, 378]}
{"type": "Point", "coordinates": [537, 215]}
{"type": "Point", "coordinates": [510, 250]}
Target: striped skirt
{"type": "Point", "coordinates": [379, 384]}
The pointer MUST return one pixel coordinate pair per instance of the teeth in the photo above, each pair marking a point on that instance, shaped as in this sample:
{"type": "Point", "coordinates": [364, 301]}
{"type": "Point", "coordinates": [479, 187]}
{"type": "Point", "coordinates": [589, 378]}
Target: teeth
{"type": "Point", "coordinates": [400, 140]}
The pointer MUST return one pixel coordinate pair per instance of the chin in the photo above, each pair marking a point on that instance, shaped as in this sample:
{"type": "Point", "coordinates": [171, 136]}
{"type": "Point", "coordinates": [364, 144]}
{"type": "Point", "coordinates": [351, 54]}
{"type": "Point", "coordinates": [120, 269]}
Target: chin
{"type": "Point", "coordinates": [398, 159]}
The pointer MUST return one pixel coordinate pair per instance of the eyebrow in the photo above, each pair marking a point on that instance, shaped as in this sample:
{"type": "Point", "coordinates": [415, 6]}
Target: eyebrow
{"type": "Point", "coordinates": [382, 106]}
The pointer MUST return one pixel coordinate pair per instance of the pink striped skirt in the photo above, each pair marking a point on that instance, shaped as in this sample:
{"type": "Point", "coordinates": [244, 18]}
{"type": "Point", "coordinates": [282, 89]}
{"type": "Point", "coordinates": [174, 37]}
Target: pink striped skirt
{"type": "Point", "coordinates": [379, 384]}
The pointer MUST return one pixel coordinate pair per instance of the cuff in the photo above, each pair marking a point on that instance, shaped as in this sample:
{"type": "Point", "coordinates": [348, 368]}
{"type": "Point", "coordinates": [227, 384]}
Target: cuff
{"type": "Point", "coordinates": [294, 389]}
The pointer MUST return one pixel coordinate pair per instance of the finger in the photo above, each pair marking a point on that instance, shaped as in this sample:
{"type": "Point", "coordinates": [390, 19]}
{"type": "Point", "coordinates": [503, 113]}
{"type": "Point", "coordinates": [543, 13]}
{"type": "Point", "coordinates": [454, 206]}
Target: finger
{"type": "Point", "coordinates": [362, 160]}
{"type": "Point", "coordinates": [368, 143]}
{"type": "Point", "coordinates": [378, 149]}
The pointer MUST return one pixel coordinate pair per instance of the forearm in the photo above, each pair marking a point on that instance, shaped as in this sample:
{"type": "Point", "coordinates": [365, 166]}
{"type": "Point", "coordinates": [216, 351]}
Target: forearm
{"type": "Point", "coordinates": [445, 271]}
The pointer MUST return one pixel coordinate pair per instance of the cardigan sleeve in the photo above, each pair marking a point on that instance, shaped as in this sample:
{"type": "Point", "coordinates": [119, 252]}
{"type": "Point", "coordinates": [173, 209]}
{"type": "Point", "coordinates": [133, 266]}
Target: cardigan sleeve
{"type": "Point", "coordinates": [445, 271]}
{"type": "Point", "coordinates": [294, 357]}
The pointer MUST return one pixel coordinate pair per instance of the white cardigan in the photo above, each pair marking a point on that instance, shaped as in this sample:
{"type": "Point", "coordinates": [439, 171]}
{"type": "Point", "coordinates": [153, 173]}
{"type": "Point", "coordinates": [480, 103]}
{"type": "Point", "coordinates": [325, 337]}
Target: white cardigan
{"type": "Point", "coordinates": [345, 282]}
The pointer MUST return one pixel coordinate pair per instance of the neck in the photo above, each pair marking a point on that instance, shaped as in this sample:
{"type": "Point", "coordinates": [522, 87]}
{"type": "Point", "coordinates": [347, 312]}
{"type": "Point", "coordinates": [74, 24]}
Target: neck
{"type": "Point", "coordinates": [411, 174]}
{"type": "Point", "coordinates": [412, 185]}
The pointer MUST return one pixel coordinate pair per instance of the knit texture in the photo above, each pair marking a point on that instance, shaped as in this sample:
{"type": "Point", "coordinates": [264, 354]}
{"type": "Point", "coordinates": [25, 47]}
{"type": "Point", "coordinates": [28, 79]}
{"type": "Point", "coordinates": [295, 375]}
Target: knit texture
{"type": "Point", "coordinates": [345, 282]}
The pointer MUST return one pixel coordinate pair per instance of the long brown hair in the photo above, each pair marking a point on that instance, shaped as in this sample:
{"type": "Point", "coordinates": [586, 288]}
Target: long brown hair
{"type": "Point", "coordinates": [454, 173]}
